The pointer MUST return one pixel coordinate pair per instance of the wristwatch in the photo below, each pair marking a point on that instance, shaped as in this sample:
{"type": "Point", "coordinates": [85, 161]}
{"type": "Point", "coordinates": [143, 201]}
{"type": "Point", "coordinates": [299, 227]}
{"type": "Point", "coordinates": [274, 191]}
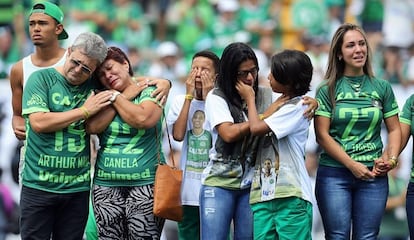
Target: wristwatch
{"type": "Point", "coordinates": [115, 94]}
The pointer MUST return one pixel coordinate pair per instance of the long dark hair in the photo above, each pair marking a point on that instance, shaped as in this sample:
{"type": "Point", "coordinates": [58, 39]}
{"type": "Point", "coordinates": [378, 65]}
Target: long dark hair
{"type": "Point", "coordinates": [233, 55]}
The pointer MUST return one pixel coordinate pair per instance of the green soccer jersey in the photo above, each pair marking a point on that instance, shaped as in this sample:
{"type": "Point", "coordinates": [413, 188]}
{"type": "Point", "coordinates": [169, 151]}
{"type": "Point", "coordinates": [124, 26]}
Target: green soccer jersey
{"type": "Point", "coordinates": [198, 150]}
{"type": "Point", "coordinates": [56, 161]}
{"type": "Point", "coordinates": [128, 156]}
{"type": "Point", "coordinates": [360, 106]}
{"type": "Point", "coordinates": [407, 117]}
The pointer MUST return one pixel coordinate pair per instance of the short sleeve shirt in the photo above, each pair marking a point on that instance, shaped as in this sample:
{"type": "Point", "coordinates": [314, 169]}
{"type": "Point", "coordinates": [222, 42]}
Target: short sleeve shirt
{"type": "Point", "coordinates": [361, 104]}
{"type": "Point", "coordinates": [56, 161]}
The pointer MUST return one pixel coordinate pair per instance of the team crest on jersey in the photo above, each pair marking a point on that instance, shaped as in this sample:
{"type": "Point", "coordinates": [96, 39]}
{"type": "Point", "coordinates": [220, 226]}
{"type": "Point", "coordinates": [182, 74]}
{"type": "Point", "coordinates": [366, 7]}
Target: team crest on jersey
{"type": "Point", "coordinates": [376, 103]}
{"type": "Point", "coordinates": [36, 100]}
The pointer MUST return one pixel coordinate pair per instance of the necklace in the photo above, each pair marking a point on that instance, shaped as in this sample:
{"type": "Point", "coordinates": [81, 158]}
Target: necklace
{"type": "Point", "coordinates": [356, 87]}
{"type": "Point", "coordinates": [356, 83]}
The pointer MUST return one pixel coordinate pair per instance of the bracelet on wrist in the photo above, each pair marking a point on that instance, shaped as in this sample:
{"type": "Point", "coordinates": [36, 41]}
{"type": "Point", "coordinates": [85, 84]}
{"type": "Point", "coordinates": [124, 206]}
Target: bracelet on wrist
{"type": "Point", "coordinates": [85, 112]}
{"type": "Point", "coordinates": [393, 163]}
{"type": "Point", "coordinates": [394, 158]}
{"type": "Point", "coordinates": [189, 97]}
{"type": "Point", "coordinates": [261, 116]}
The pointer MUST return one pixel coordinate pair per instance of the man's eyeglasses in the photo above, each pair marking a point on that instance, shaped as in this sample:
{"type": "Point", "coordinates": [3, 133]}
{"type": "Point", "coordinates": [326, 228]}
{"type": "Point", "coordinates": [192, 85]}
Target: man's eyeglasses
{"type": "Point", "coordinates": [245, 73]}
{"type": "Point", "coordinates": [84, 68]}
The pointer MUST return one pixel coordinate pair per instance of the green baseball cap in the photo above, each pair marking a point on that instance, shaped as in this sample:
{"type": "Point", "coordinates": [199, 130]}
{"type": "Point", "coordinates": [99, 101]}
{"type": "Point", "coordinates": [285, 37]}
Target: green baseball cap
{"type": "Point", "coordinates": [52, 10]}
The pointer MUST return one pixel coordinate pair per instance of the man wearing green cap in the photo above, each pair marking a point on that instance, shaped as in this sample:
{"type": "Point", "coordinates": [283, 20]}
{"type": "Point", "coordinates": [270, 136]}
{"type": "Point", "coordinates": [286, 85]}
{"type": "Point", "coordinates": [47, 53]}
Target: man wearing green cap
{"type": "Point", "coordinates": [45, 29]}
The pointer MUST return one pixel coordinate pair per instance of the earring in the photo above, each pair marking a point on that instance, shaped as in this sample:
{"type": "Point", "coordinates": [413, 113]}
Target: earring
{"type": "Point", "coordinates": [340, 58]}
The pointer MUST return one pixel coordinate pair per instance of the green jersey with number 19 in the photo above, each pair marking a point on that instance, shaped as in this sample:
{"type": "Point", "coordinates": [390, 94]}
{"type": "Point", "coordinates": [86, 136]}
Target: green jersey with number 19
{"type": "Point", "coordinates": [57, 161]}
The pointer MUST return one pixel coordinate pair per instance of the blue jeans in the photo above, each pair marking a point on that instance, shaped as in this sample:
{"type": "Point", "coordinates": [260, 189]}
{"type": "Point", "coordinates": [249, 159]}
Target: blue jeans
{"type": "Point", "coordinates": [346, 201]}
{"type": "Point", "coordinates": [219, 207]}
{"type": "Point", "coordinates": [410, 208]}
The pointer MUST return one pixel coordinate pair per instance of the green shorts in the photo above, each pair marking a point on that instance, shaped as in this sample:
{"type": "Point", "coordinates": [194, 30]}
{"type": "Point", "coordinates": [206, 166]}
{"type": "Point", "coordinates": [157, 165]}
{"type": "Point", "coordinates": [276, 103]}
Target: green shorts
{"type": "Point", "coordinates": [283, 219]}
{"type": "Point", "coordinates": [189, 227]}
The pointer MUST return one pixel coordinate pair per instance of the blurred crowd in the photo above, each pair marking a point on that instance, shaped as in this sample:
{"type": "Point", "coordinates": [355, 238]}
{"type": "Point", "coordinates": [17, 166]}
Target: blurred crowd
{"type": "Point", "coordinates": [141, 26]}
{"type": "Point", "coordinates": [171, 31]}
{"type": "Point", "coordinates": [161, 36]}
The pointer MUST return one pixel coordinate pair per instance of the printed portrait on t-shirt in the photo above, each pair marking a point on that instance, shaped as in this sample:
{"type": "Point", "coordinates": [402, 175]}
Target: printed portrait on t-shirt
{"type": "Point", "coordinates": [199, 144]}
{"type": "Point", "coordinates": [268, 177]}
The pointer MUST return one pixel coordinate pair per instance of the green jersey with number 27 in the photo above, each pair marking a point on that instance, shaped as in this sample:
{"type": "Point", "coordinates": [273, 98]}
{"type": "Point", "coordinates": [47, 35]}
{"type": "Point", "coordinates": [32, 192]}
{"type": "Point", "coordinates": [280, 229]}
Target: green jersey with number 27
{"type": "Point", "coordinates": [361, 104]}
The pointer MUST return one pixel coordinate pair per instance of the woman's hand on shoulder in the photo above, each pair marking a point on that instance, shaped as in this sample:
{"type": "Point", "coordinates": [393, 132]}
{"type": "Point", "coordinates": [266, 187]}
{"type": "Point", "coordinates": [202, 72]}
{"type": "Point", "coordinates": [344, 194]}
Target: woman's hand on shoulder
{"type": "Point", "coordinates": [312, 107]}
{"type": "Point", "coordinates": [134, 89]}
{"type": "Point", "coordinates": [276, 105]}
{"type": "Point", "coordinates": [163, 88]}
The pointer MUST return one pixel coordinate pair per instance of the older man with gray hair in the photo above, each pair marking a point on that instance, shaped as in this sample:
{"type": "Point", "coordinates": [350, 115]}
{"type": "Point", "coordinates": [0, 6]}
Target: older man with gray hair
{"type": "Point", "coordinates": [56, 174]}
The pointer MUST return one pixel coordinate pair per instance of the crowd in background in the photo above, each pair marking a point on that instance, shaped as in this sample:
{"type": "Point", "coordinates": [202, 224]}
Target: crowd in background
{"type": "Point", "coordinates": [160, 37]}
{"type": "Point", "coordinates": [141, 27]}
